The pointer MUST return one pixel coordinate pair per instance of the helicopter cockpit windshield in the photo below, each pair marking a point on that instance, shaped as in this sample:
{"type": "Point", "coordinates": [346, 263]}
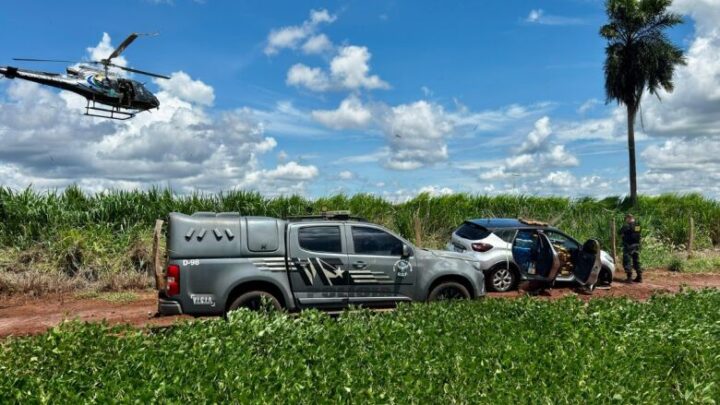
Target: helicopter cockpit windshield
{"type": "Point", "coordinates": [140, 90]}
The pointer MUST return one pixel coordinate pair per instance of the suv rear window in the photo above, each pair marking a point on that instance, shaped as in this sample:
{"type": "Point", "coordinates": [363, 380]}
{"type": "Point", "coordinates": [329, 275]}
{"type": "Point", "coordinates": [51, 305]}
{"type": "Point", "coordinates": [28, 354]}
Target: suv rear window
{"type": "Point", "coordinates": [471, 231]}
{"type": "Point", "coordinates": [320, 239]}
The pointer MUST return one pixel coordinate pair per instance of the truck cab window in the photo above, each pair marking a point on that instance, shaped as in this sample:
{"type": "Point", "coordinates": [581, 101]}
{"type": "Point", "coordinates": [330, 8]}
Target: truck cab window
{"type": "Point", "coordinates": [320, 239]}
{"type": "Point", "coordinates": [373, 241]}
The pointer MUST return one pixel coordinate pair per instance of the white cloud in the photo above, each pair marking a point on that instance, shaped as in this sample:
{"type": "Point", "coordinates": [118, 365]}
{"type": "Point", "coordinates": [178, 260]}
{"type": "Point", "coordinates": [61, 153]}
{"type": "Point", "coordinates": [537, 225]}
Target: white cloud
{"type": "Point", "coordinates": [350, 114]}
{"type": "Point", "coordinates": [538, 16]}
{"type": "Point", "coordinates": [180, 85]}
{"type": "Point", "coordinates": [314, 79]}
{"type": "Point", "coordinates": [291, 171]}
{"type": "Point", "coordinates": [346, 175]}
{"type": "Point", "coordinates": [683, 165]}
{"type": "Point", "coordinates": [534, 15]}
{"type": "Point", "coordinates": [535, 156]}
{"type": "Point", "coordinates": [317, 44]}
{"type": "Point", "coordinates": [349, 70]}
{"type": "Point", "coordinates": [493, 120]}
{"type": "Point", "coordinates": [588, 105]}
{"type": "Point", "coordinates": [560, 179]}
{"type": "Point", "coordinates": [416, 134]}
{"type": "Point", "coordinates": [435, 191]}
{"type": "Point", "coordinates": [351, 67]}
{"type": "Point", "coordinates": [693, 108]}
{"type": "Point", "coordinates": [609, 128]}
{"type": "Point", "coordinates": [537, 137]}
{"type": "Point", "coordinates": [291, 36]}
{"type": "Point", "coordinates": [401, 195]}
{"type": "Point", "coordinates": [376, 156]}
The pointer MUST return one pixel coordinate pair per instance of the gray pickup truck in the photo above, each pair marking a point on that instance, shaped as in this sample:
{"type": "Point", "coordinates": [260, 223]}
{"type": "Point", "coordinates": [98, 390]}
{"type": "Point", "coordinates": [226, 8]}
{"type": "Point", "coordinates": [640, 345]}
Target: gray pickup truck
{"type": "Point", "coordinates": [218, 262]}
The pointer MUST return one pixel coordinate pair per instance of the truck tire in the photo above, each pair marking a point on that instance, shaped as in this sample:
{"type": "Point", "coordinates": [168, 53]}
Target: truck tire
{"type": "Point", "coordinates": [253, 300]}
{"type": "Point", "coordinates": [449, 290]}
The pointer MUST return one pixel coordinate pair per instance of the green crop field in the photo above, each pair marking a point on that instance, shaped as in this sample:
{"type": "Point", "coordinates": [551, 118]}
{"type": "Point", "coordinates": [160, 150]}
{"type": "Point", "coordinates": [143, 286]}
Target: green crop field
{"type": "Point", "coordinates": [526, 350]}
{"type": "Point", "coordinates": [68, 240]}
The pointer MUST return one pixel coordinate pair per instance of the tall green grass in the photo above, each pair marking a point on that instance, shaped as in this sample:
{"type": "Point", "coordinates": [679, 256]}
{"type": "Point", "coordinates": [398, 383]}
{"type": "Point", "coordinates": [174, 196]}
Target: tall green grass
{"type": "Point", "coordinates": [112, 223]}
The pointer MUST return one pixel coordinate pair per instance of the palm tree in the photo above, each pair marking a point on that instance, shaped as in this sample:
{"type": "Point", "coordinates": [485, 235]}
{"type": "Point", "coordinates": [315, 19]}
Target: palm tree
{"type": "Point", "coordinates": [639, 56]}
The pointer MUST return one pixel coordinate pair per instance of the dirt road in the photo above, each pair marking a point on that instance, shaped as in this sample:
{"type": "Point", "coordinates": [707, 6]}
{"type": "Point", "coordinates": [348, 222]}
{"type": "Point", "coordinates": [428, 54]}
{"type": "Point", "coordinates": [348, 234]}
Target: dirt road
{"type": "Point", "coordinates": [26, 315]}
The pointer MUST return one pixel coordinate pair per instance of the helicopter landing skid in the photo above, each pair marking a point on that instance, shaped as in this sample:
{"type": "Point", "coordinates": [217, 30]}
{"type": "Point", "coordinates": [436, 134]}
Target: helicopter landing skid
{"type": "Point", "coordinates": [113, 112]}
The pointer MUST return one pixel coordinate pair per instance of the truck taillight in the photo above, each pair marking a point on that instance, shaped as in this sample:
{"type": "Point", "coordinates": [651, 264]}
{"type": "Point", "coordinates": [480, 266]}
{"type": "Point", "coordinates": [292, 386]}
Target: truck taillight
{"type": "Point", "coordinates": [172, 279]}
{"type": "Point", "coordinates": [481, 247]}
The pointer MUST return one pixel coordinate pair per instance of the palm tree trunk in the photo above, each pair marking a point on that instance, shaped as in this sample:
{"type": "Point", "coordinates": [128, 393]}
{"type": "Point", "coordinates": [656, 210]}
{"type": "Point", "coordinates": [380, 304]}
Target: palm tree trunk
{"type": "Point", "coordinates": [631, 111]}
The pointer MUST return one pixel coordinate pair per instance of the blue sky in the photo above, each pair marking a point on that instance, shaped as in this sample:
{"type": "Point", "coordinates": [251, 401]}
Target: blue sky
{"type": "Point", "coordinates": [392, 97]}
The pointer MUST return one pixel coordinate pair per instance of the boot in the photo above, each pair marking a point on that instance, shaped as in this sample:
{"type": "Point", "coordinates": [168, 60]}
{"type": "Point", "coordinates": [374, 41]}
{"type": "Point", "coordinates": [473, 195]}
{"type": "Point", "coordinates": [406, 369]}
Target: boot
{"type": "Point", "coordinates": [628, 279]}
{"type": "Point", "coordinates": [638, 278]}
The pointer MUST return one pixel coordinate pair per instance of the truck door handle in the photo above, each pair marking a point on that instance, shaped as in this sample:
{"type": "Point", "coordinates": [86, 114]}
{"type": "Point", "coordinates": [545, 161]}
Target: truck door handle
{"type": "Point", "coordinates": [359, 265]}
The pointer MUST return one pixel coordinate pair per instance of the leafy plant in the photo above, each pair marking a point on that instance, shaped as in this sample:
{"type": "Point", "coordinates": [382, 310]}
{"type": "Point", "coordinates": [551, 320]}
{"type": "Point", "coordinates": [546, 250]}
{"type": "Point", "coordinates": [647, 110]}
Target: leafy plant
{"type": "Point", "coordinates": [487, 351]}
{"type": "Point", "coordinates": [677, 264]}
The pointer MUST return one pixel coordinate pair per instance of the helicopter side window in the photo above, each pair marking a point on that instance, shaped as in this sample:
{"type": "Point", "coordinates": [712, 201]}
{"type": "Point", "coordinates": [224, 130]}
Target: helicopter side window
{"type": "Point", "coordinates": [126, 89]}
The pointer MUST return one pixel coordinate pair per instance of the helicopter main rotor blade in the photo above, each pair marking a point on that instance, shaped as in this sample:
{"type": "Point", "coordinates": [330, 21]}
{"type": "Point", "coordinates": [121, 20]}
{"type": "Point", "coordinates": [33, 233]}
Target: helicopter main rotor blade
{"type": "Point", "coordinates": [124, 44]}
{"type": "Point", "coordinates": [44, 60]}
{"type": "Point", "coordinates": [142, 72]}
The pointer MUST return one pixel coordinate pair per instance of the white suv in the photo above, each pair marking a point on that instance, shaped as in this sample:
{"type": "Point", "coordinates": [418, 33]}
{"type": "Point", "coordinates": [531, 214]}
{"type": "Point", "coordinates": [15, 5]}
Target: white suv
{"type": "Point", "coordinates": [512, 251]}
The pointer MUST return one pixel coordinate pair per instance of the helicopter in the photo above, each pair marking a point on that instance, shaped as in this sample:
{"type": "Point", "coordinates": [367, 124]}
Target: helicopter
{"type": "Point", "coordinates": [108, 95]}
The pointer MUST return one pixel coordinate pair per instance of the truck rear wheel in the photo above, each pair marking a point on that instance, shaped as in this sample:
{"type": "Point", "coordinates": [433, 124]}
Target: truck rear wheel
{"type": "Point", "coordinates": [256, 301]}
{"type": "Point", "coordinates": [449, 290]}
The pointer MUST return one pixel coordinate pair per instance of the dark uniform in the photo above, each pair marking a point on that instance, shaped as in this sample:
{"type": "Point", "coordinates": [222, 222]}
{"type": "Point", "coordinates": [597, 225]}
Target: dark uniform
{"type": "Point", "coordinates": [631, 249]}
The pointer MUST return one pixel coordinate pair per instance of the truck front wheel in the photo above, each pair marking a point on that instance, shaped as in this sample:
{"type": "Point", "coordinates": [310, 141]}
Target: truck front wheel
{"type": "Point", "coordinates": [256, 301]}
{"type": "Point", "coordinates": [449, 290]}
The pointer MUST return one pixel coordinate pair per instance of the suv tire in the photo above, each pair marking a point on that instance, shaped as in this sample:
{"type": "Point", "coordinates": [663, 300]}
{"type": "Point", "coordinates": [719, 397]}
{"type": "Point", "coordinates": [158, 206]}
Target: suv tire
{"type": "Point", "coordinates": [501, 279]}
{"type": "Point", "coordinates": [253, 300]}
{"type": "Point", "coordinates": [449, 290]}
{"type": "Point", "coordinates": [605, 277]}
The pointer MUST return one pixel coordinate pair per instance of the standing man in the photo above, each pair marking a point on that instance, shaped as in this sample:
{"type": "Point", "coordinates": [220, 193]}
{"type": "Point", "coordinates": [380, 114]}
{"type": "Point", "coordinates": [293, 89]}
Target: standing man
{"type": "Point", "coordinates": [631, 248]}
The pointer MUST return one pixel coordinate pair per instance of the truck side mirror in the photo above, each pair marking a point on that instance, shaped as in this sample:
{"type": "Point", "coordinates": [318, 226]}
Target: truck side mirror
{"type": "Point", "coordinates": [406, 251]}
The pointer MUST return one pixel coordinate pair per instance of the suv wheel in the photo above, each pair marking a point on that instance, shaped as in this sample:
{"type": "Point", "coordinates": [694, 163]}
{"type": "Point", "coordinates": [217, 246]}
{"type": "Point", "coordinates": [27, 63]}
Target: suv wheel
{"type": "Point", "coordinates": [449, 290]}
{"type": "Point", "coordinates": [256, 301]}
{"type": "Point", "coordinates": [501, 279]}
{"type": "Point", "coordinates": [605, 277]}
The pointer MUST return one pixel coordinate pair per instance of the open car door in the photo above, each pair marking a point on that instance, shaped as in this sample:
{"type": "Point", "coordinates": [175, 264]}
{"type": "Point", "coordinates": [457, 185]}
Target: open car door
{"type": "Point", "coordinates": [536, 259]}
{"type": "Point", "coordinates": [588, 265]}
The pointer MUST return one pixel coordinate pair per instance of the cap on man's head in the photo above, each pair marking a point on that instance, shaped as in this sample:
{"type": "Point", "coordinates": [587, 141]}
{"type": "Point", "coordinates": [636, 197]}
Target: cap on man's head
{"type": "Point", "coordinates": [629, 216]}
